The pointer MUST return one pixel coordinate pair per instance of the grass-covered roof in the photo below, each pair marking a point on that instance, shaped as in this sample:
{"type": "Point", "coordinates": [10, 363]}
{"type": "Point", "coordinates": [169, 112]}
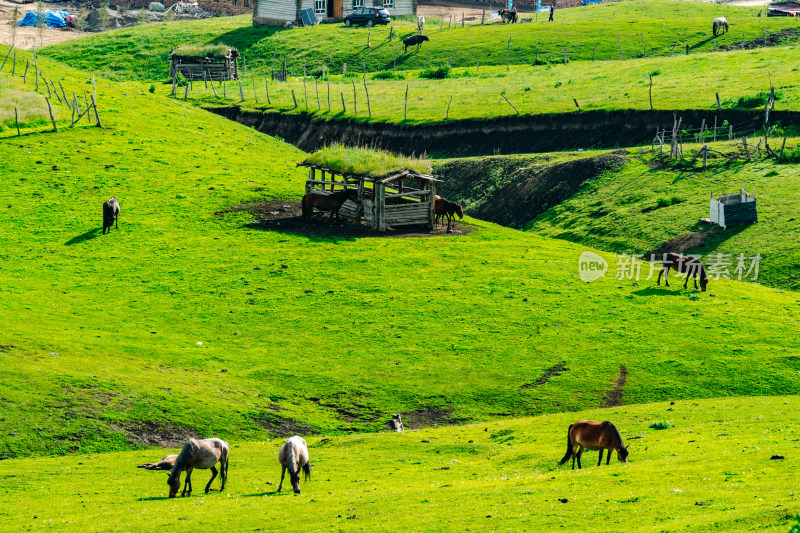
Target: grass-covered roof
{"type": "Point", "coordinates": [370, 162]}
{"type": "Point", "coordinates": [214, 51]}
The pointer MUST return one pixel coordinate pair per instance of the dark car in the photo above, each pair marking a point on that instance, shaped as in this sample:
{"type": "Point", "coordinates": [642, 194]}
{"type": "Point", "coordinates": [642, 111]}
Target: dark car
{"type": "Point", "coordinates": [368, 15]}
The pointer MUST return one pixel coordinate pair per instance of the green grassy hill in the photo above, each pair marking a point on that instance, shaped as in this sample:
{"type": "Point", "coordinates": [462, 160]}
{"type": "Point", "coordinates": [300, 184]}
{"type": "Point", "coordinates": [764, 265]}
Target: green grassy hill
{"type": "Point", "coordinates": [651, 27]}
{"type": "Point", "coordinates": [710, 471]}
{"type": "Point", "coordinates": [651, 201]}
{"type": "Point", "coordinates": [184, 321]}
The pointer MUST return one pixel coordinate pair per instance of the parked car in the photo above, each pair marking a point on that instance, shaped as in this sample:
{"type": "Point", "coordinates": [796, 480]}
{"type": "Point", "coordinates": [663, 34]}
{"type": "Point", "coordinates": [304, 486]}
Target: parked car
{"type": "Point", "coordinates": [369, 16]}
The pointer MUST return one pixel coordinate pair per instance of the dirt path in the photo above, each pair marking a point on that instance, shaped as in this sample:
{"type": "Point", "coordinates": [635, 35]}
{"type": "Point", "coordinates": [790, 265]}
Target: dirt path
{"type": "Point", "coordinates": [614, 397]}
{"type": "Point", "coordinates": [26, 36]}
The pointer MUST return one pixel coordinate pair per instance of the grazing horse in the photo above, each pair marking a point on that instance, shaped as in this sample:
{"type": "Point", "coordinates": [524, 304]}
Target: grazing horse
{"type": "Point", "coordinates": [293, 456]}
{"type": "Point", "coordinates": [327, 202]}
{"type": "Point", "coordinates": [110, 214]}
{"type": "Point", "coordinates": [444, 208]}
{"type": "Point", "coordinates": [199, 454]}
{"type": "Point", "coordinates": [414, 40]}
{"type": "Point", "coordinates": [719, 24]}
{"type": "Point", "coordinates": [508, 15]}
{"type": "Point", "coordinates": [683, 264]}
{"type": "Point", "coordinates": [591, 435]}
{"type": "Point", "coordinates": [167, 463]}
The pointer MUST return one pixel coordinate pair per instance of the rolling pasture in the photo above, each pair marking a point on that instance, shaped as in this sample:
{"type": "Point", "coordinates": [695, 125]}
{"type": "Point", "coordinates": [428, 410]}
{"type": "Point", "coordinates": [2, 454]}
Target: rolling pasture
{"type": "Point", "coordinates": [195, 319]}
{"type": "Point", "coordinates": [140, 53]}
{"type": "Point", "coordinates": [710, 470]}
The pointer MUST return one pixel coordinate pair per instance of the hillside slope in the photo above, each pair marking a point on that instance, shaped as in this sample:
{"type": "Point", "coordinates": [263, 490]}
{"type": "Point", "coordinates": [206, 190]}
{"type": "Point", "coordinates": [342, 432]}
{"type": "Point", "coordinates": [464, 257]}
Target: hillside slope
{"type": "Point", "coordinates": [191, 319]}
{"type": "Point", "coordinates": [602, 32]}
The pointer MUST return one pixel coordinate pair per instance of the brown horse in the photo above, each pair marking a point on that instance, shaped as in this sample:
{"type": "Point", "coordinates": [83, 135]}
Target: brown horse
{"type": "Point", "coordinates": [683, 264]}
{"type": "Point", "coordinates": [327, 202]}
{"type": "Point", "coordinates": [444, 208]}
{"type": "Point", "coordinates": [110, 214]}
{"type": "Point", "coordinates": [590, 435]}
{"type": "Point", "coordinates": [293, 456]}
{"type": "Point", "coordinates": [199, 454]}
{"type": "Point", "coordinates": [167, 463]}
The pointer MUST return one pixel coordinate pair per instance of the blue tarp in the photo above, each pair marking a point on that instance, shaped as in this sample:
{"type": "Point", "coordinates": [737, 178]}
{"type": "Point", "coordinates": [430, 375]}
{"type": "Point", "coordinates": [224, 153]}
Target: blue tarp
{"type": "Point", "coordinates": [52, 19]}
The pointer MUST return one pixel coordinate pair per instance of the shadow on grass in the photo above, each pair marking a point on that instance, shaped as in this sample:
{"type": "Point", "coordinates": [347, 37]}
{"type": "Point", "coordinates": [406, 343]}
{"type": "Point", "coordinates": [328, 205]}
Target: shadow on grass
{"type": "Point", "coordinates": [660, 291]}
{"type": "Point", "coordinates": [153, 499]}
{"type": "Point", "coordinates": [88, 236]}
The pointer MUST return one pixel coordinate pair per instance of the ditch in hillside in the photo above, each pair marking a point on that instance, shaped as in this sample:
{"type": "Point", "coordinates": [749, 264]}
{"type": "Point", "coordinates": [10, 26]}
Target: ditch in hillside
{"type": "Point", "coordinates": [522, 134]}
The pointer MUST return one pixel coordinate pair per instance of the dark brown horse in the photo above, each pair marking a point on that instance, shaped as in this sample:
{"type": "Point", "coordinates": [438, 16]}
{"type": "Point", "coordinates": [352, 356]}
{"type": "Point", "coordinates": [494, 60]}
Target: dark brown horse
{"type": "Point", "coordinates": [414, 40]}
{"type": "Point", "coordinates": [591, 435]}
{"type": "Point", "coordinates": [110, 214]}
{"type": "Point", "coordinates": [327, 202]}
{"type": "Point", "coordinates": [444, 208]}
{"type": "Point", "coordinates": [691, 266]}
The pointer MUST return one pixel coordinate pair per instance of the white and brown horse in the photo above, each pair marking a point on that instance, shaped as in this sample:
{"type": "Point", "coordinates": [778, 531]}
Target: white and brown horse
{"type": "Point", "coordinates": [293, 456]}
{"type": "Point", "coordinates": [591, 435]}
{"type": "Point", "coordinates": [201, 454]}
{"type": "Point", "coordinates": [720, 25]}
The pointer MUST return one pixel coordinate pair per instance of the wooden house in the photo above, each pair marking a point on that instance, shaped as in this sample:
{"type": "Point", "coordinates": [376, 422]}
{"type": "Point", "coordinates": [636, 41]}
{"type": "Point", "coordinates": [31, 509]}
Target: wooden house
{"type": "Point", "coordinates": [278, 12]}
{"type": "Point", "coordinates": [401, 198]}
{"type": "Point", "coordinates": [205, 68]}
{"type": "Point", "coordinates": [733, 209]}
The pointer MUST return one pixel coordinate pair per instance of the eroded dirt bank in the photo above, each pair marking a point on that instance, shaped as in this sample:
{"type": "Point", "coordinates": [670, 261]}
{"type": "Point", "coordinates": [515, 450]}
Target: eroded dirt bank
{"type": "Point", "coordinates": [504, 135]}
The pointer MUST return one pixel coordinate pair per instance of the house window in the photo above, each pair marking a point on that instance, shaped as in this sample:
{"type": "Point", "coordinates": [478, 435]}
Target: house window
{"type": "Point", "coordinates": [388, 4]}
{"type": "Point", "coordinates": [246, 3]}
{"type": "Point", "coordinates": [321, 7]}
{"type": "Point", "coordinates": [236, 2]}
{"type": "Point", "coordinates": [357, 4]}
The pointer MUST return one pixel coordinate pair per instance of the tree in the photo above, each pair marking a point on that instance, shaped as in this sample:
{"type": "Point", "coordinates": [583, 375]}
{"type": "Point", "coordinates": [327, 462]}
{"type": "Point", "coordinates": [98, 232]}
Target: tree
{"type": "Point", "coordinates": [14, 21]}
{"type": "Point", "coordinates": [40, 21]}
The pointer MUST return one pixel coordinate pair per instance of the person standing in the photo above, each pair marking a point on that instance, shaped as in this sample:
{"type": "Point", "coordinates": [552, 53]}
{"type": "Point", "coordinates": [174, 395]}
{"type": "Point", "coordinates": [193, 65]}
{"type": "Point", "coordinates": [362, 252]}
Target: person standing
{"type": "Point", "coordinates": [552, 10]}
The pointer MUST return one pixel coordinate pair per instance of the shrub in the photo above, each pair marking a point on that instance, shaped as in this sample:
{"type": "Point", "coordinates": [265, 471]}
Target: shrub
{"type": "Point", "coordinates": [152, 88]}
{"type": "Point", "coordinates": [751, 102]}
{"type": "Point", "coordinates": [388, 75]}
{"type": "Point", "coordinates": [435, 73]}
{"type": "Point", "coordinates": [660, 425]}
{"type": "Point", "coordinates": [791, 155]}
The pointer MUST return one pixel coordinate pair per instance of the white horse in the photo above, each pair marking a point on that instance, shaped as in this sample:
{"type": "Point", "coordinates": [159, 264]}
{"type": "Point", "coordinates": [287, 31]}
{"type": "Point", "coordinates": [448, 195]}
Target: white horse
{"type": "Point", "coordinates": [719, 24]}
{"type": "Point", "coordinates": [420, 23]}
{"type": "Point", "coordinates": [199, 454]}
{"type": "Point", "coordinates": [294, 456]}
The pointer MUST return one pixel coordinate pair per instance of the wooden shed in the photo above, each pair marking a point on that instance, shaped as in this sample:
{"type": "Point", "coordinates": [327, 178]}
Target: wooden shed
{"type": "Point", "coordinates": [401, 198]}
{"type": "Point", "coordinates": [733, 209]}
{"type": "Point", "coordinates": [208, 67]}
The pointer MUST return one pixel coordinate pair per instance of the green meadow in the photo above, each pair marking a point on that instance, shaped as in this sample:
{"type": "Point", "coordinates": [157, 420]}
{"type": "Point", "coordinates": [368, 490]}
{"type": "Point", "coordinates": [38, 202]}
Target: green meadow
{"type": "Point", "coordinates": [193, 318]}
{"type": "Point", "coordinates": [710, 470]}
{"type": "Point", "coordinates": [601, 31]}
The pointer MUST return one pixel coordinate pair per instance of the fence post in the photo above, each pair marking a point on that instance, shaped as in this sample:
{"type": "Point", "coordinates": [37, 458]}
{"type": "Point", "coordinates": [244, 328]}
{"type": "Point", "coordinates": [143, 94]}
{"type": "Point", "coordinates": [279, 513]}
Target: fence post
{"type": "Point", "coordinates": [405, 105]}
{"type": "Point", "coordinates": [619, 45]}
{"type": "Point", "coordinates": [366, 91]}
{"type": "Point", "coordinates": [50, 109]}
{"type": "Point", "coordinates": [447, 115]}
{"type": "Point", "coordinates": [294, 99]}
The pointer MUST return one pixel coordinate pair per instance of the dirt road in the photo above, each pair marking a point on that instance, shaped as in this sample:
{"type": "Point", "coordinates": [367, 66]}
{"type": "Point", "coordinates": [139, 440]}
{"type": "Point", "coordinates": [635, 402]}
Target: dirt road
{"type": "Point", "coordinates": [26, 36]}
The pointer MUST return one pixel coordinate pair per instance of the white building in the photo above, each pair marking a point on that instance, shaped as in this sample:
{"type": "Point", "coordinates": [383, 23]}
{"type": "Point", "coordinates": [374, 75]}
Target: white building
{"type": "Point", "coordinates": [278, 12]}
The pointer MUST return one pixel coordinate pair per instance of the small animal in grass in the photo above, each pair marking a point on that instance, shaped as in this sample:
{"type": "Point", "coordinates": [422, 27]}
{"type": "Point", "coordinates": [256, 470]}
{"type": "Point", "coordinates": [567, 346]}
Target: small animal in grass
{"type": "Point", "coordinates": [201, 454]}
{"type": "Point", "coordinates": [327, 202]}
{"type": "Point", "coordinates": [164, 464]}
{"type": "Point", "coordinates": [110, 214]}
{"type": "Point", "coordinates": [591, 435]}
{"type": "Point", "coordinates": [414, 40]}
{"type": "Point", "coordinates": [720, 25]}
{"type": "Point", "coordinates": [293, 456]}
{"type": "Point", "coordinates": [444, 208]}
{"type": "Point", "coordinates": [689, 265]}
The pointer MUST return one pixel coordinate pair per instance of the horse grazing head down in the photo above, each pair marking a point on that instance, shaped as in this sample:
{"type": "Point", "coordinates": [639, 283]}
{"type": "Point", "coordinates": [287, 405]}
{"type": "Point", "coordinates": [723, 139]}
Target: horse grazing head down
{"type": "Point", "coordinates": [459, 210]}
{"type": "Point", "coordinates": [622, 453]}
